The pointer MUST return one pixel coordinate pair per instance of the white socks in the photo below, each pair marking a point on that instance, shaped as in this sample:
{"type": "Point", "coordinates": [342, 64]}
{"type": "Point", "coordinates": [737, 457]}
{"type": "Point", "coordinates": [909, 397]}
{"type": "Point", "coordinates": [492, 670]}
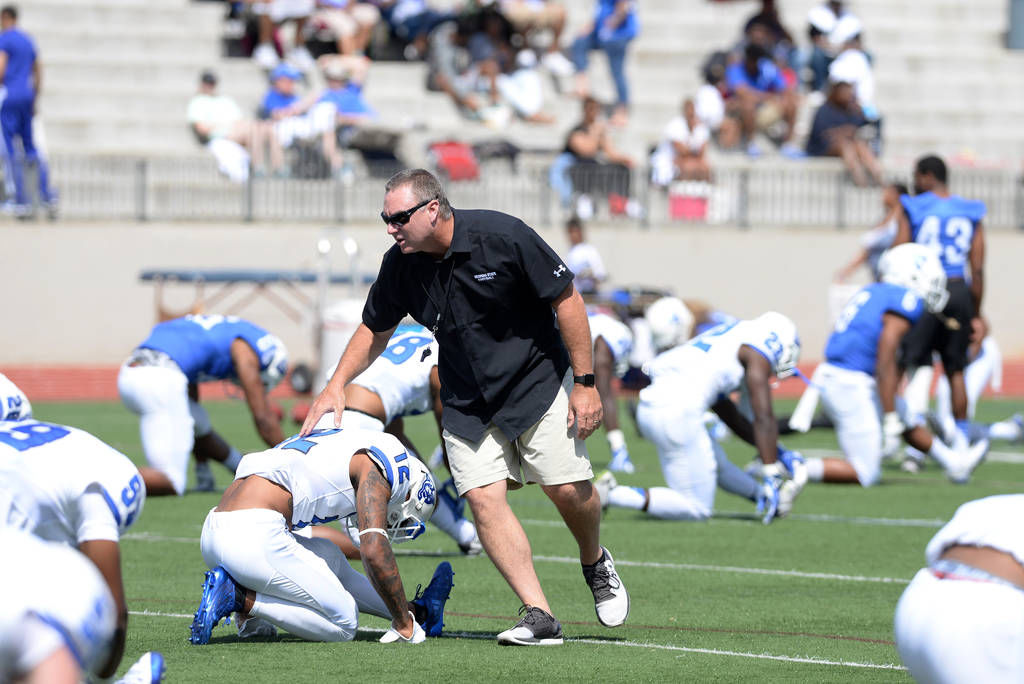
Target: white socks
{"type": "Point", "coordinates": [815, 470]}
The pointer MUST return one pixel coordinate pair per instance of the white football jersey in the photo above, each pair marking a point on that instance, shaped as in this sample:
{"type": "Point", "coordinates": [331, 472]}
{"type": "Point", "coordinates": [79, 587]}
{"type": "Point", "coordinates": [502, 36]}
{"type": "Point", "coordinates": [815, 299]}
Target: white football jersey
{"type": "Point", "coordinates": [401, 374]}
{"type": "Point", "coordinates": [697, 373]}
{"type": "Point", "coordinates": [315, 469]}
{"type": "Point", "coordinates": [13, 402]}
{"type": "Point", "coordinates": [83, 488]}
{"type": "Point", "coordinates": [616, 334]}
{"type": "Point", "coordinates": [994, 521]}
{"type": "Point", "coordinates": [49, 586]}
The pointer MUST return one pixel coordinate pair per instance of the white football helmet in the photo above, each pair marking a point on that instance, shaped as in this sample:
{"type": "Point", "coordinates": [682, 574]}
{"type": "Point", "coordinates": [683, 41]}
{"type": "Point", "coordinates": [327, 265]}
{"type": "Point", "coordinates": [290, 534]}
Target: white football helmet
{"type": "Point", "coordinates": [273, 361]}
{"type": "Point", "coordinates": [782, 342]}
{"type": "Point", "coordinates": [917, 268]}
{"type": "Point", "coordinates": [670, 322]}
{"type": "Point", "coordinates": [14, 405]}
{"type": "Point", "coordinates": [407, 519]}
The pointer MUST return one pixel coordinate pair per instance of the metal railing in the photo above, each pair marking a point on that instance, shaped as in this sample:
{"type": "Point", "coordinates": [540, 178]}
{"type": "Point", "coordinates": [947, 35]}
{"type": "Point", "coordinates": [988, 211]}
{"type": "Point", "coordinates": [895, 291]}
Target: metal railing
{"type": "Point", "coordinates": [764, 193]}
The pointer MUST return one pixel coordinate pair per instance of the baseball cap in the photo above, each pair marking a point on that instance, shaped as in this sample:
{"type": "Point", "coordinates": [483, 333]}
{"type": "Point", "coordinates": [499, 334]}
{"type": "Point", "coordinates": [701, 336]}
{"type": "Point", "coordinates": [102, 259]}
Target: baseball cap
{"type": "Point", "coordinates": [208, 77]}
{"type": "Point", "coordinates": [285, 71]}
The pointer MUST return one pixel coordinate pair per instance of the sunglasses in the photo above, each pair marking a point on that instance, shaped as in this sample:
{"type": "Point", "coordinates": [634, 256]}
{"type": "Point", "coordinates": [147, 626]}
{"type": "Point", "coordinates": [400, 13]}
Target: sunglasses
{"type": "Point", "coordinates": [400, 218]}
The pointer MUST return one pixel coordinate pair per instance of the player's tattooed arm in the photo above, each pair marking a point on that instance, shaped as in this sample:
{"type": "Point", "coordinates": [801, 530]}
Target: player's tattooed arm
{"type": "Point", "coordinates": [372, 495]}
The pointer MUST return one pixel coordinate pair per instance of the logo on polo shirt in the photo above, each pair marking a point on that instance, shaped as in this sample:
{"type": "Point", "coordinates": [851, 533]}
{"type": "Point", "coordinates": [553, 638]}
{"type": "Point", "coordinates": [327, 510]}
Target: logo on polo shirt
{"type": "Point", "coordinates": [559, 271]}
{"type": "Point", "coordinates": [481, 277]}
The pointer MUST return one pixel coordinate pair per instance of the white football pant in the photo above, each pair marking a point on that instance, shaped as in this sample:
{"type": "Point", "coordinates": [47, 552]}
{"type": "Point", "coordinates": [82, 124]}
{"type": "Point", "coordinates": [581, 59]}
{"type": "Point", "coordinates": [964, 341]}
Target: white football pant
{"type": "Point", "coordinates": [952, 631]}
{"type": "Point", "coordinates": [303, 585]}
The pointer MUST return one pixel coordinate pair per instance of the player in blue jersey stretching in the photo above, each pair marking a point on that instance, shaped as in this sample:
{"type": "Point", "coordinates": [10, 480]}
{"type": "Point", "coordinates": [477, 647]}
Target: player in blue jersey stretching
{"type": "Point", "coordinates": [951, 227]}
{"type": "Point", "coordinates": [160, 382]}
{"type": "Point", "coordinates": [858, 379]}
{"type": "Point", "coordinates": [22, 80]}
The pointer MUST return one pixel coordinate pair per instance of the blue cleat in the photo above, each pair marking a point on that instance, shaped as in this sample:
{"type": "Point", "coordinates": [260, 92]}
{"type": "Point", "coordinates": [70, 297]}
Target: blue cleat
{"type": "Point", "coordinates": [218, 601]}
{"type": "Point", "coordinates": [620, 462]}
{"type": "Point", "coordinates": [431, 601]}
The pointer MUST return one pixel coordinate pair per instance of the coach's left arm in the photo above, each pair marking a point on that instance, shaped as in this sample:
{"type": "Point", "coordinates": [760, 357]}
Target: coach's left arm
{"type": "Point", "coordinates": [247, 368]}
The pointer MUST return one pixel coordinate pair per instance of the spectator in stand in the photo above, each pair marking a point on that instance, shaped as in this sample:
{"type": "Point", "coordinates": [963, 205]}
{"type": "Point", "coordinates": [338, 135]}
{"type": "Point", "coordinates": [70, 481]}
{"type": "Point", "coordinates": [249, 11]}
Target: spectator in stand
{"type": "Point", "coordinates": [295, 119]}
{"type": "Point", "coordinates": [874, 242]}
{"type": "Point", "coordinates": [583, 259]}
{"type": "Point", "coordinates": [615, 25]}
{"type": "Point", "coordinates": [520, 87]}
{"type": "Point", "coordinates": [776, 38]}
{"type": "Point", "coordinates": [412, 21]}
{"type": "Point", "coordinates": [710, 103]}
{"type": "Point", "coordinates": [681, 154]}
{"type": "Point", "coordinates": [761, 98]}
{"type": "Point", "coordinates": [589, 163]}
{"type": "Point", "coordinates": [822, 20]}
{"type": "Point", "coordinates": [351, 22]}
{"type": "Point", "coordinates": [462, 66]}
{"type": "Point", "coordinates": [273, 14]}
{"type": "Point", "coordinates": [853, 66]}
{"type": "Point", "coordinates": [528, 16]}
{"type": "Point", "coordinates": [218, 124]}
{"type": "Point", "coordinates": [834, 133]}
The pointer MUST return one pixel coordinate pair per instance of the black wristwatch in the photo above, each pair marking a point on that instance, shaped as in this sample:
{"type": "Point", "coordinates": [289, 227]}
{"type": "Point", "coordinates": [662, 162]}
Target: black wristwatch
{"type": "Point", "coordinates": [585, 380]}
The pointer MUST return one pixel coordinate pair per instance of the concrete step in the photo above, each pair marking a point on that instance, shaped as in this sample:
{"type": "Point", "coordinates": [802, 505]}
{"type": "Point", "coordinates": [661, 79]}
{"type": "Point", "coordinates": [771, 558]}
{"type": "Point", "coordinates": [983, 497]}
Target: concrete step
{"type": "Point", "coordinates": [130, 48]}
{"type": "Point", "coordinates": [200, 18]}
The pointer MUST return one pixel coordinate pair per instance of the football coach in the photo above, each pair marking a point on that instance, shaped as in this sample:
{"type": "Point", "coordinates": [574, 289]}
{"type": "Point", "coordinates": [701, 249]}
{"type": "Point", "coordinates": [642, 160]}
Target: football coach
{"type": "Point", "coordinates": [517, 388]}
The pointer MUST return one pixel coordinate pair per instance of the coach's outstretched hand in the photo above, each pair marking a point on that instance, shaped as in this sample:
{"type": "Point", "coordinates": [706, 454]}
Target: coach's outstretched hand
{"type": "Point", "coordinates": [330, 400]}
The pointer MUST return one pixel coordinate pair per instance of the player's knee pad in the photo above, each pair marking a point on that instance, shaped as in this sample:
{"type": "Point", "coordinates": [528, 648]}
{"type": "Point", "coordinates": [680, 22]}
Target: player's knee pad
{"type": "Point", "coordinates": [201, 419]}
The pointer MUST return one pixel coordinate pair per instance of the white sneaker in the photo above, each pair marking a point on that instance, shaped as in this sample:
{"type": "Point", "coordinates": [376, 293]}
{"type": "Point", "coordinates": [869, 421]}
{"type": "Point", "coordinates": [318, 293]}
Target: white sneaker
{"type": "Point", "coordinates": [254, 627]}
{"type": "Point", "coordinates": [149, 669]}
{"type": "Point", "coordinates": [585, 207]}
{"type": "Point", "coordinates": [974, 455]}
{"type": "Point", "coordinates": [266, 56]}
{"type": "Point", "coordinates": [604, 484]}
{"type": "Point", "coordinates": [204, 477]}
{"type": "Point", "coordinates": [537, 628]}
{"type": "Point", "coordinates": [611, 600]}
{"type": "Point", "coordinates": [300, 58]}
{"type": "Point", "coordinates": [558, 64]}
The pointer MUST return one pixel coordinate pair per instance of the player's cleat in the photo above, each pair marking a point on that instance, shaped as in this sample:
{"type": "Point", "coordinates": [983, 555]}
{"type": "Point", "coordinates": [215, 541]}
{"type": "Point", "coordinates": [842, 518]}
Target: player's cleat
{"type": "Point", "coordinates": [611, 600]}
{"type": "Point", "coordinates": [254, 627]}
{"type": "Point", "coordinates": [149, 669]}
{"type": "Point", "coordinates": [974, 455]}
{"type": "Point", "coordinates": [204, 477]}
{"type": "Point", "coordinates": [537, 628]}
{"type": "Point", "coordinates": [768, 499]}
{"type": "Point", "coordinates": [220, 599]}
{"type": "Point", "coordinates": [473, 548]}
{"type": "Point", "coordinates": [604, 484]}
{"type": "Point", "coordinates": [796, 466]}
{"type": "Point", "coordinates": [620, 462]}
{"type": "Point", "coordinates": [911, 465]}
{"type": "Point", "coordinates": [428, 606]}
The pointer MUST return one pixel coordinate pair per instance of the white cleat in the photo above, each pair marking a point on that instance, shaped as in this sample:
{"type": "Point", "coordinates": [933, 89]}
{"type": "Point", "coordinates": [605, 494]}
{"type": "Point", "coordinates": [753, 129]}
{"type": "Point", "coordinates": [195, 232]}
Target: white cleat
{"type": "Point", "coordinates": [974, 455]}
{"type": "Point", "coordinates": [254, 627]}
{"type": "Point", "coordinates": [604, 484]}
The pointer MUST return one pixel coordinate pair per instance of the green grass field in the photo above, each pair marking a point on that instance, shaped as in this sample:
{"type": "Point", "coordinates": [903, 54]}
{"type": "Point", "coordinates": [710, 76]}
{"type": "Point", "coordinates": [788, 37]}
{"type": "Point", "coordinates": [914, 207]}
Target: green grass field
{"type": "Point", "coordinates": [808, 598]}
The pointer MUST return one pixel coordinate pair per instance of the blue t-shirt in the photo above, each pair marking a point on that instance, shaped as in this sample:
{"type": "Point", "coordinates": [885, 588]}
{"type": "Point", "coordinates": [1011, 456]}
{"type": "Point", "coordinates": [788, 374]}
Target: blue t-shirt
{"type": "Point", "coordinates": [274, 100]}
{"type": "Point", "coordinates": [348, 100]}
{"type": "Point", "coordinates": [769, 78]}
{"type": "Point", "coordinates": [21, 57]}
{"type": "Point", "coordinates": [201, 345]}
{"type": "Point", "coordinates": [946, 225]}
{"type": "Point", "coordinates": [854, 341]}
{"type": "Point", "coordinates": [627, 30]}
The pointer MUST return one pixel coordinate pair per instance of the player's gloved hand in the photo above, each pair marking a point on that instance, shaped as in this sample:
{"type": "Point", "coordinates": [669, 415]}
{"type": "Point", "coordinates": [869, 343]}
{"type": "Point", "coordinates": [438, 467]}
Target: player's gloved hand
{"type": "Point", "coordinates": [892, 434]}
{"type": "Point", "coordinates": [768, 497]}
{"type": "Point", "coordinates": [794, 463]}
{"type": "Point", "coordinates": [393, 636]}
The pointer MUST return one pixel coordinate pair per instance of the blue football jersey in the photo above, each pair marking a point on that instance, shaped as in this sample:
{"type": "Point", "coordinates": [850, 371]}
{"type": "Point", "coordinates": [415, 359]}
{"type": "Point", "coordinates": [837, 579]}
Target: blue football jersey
{"type": "Point", "coordinates": [201, 345]}
{"type": "Point", "coordinates": [854, 340]}
{"type": "Point", "coordinates": [21, 57]}
{"type": "Point", "coordinates": [946, 225]}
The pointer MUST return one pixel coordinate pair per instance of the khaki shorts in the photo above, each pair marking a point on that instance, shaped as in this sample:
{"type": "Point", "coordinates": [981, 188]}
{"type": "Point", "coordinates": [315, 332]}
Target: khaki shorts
{"type": "Point", "coordinates": [547, 453]}
{"type": "Point", "coordinates": [522, 14]}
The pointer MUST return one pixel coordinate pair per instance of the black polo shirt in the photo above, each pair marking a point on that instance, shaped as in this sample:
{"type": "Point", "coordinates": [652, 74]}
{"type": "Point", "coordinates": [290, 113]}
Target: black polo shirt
{"type": "Point", "coordinates": [502, 359]}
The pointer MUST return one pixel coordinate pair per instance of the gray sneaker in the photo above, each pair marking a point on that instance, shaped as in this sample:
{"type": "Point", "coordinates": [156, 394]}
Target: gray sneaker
{"type": "Point", "coordinates": [611, 601]}
{"type": "Point", "coordinates": [537, 628]}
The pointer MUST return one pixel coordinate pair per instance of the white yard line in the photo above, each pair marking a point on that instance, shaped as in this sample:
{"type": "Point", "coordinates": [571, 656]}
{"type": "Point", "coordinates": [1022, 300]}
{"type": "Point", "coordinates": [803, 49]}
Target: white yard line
{"type": "Point", "coordinates": [629, 644]}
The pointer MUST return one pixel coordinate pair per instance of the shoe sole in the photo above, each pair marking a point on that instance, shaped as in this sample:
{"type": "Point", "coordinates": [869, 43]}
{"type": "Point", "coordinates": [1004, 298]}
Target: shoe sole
{"type": "Point", "coordinates": [512, 641]}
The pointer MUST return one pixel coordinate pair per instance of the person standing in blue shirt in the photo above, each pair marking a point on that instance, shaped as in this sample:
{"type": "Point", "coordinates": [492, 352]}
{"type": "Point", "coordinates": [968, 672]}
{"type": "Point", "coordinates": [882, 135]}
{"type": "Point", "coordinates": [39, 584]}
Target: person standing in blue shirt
{"type": "Point", "coordinates": [615, 25]}
{"type": "Point", "coordinates": [858, 379]}
{"type": "Point", "coordinates": [951, 227]}
{"type": "Point", "coordinates": [22, 82]}
{"type": "Point", "coordinates": [160, 383]}
{"type": "Point", "coordinates": [762, 98]}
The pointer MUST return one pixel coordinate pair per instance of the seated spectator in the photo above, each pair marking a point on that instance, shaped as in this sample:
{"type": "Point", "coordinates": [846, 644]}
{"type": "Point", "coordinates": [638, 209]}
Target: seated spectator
{"type": "Point", "coordinates": [350, 21]}
{"type": "Point", "coordinates": [345, 76]}
{"type": "Point", "coordinates": [853, 66]}
{"type": "Point", "coordinates": [273, 14]}
{"type": "Point", "coordinates": [457, 71]}
{"type": "Point", "coordinates": [297, 120]}
{"type": "Point", "coordinates": [412, 21]}
{"type": "Point", "coordinates": [218, 124]}
{"type": "Point", "coordinates": [681, 154]}
{"type": "Point", "coordinates": [761, 98]}
{"type": "Point", "coordinates": [710, 103]}
{"type": "Point", "coordinates": [765, 28]}
{"type": "Point", "coordinates": [615, 25]}
{"type": "Point", "coordinates": [834, 133]}
{"type": "Point", "coordinates": [590, 165]}
{"type": "Point", "coordinates": [822, 20]}
{"type": "Point", "coordinates": [528, 16]}
{"type": "Point", "coordinates": [583, 259]}
{"type": "Point", "coordinates": [520, 87]}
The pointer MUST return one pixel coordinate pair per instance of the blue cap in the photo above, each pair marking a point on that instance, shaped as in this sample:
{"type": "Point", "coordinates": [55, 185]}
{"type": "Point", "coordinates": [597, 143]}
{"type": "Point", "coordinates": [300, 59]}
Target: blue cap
{"type": "Point", "coordinates": [285, 70]}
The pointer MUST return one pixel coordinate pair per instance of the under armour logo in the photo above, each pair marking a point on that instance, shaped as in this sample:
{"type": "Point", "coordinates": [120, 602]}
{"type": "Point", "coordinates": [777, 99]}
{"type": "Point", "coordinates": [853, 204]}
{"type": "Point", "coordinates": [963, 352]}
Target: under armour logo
{"type": "Point", "coordinates": [559, 271]}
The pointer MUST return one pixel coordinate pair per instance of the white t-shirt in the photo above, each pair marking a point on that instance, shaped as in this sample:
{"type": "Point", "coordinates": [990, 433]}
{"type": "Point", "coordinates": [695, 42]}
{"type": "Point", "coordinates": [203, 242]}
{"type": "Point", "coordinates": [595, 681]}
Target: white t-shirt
{"type": "Point", "coordinates": [585, 261]}
{"type": "Point", "coordinates": [83, 489]}
{"type": "Point", "coordinates": [218, 111]}
{"type": "Point", "coordinates": [315, 469]}
{"type": "Point", "coordinates": [615, 333]}
{"type": "Point", "coordinates": [695, 374]}
{"type": "Point", "coordinates": [852, 66]}
{"type": "Point", "coordinates": [993, 521]}
{"type": "Point", "coordinates": [401, 374]}
{"type": "Point", "coordinates": [51, 596]}
{"type": "Point", "coordinates": [677, 131]}
{"type": "Point", "coordinates": [710, 106]}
